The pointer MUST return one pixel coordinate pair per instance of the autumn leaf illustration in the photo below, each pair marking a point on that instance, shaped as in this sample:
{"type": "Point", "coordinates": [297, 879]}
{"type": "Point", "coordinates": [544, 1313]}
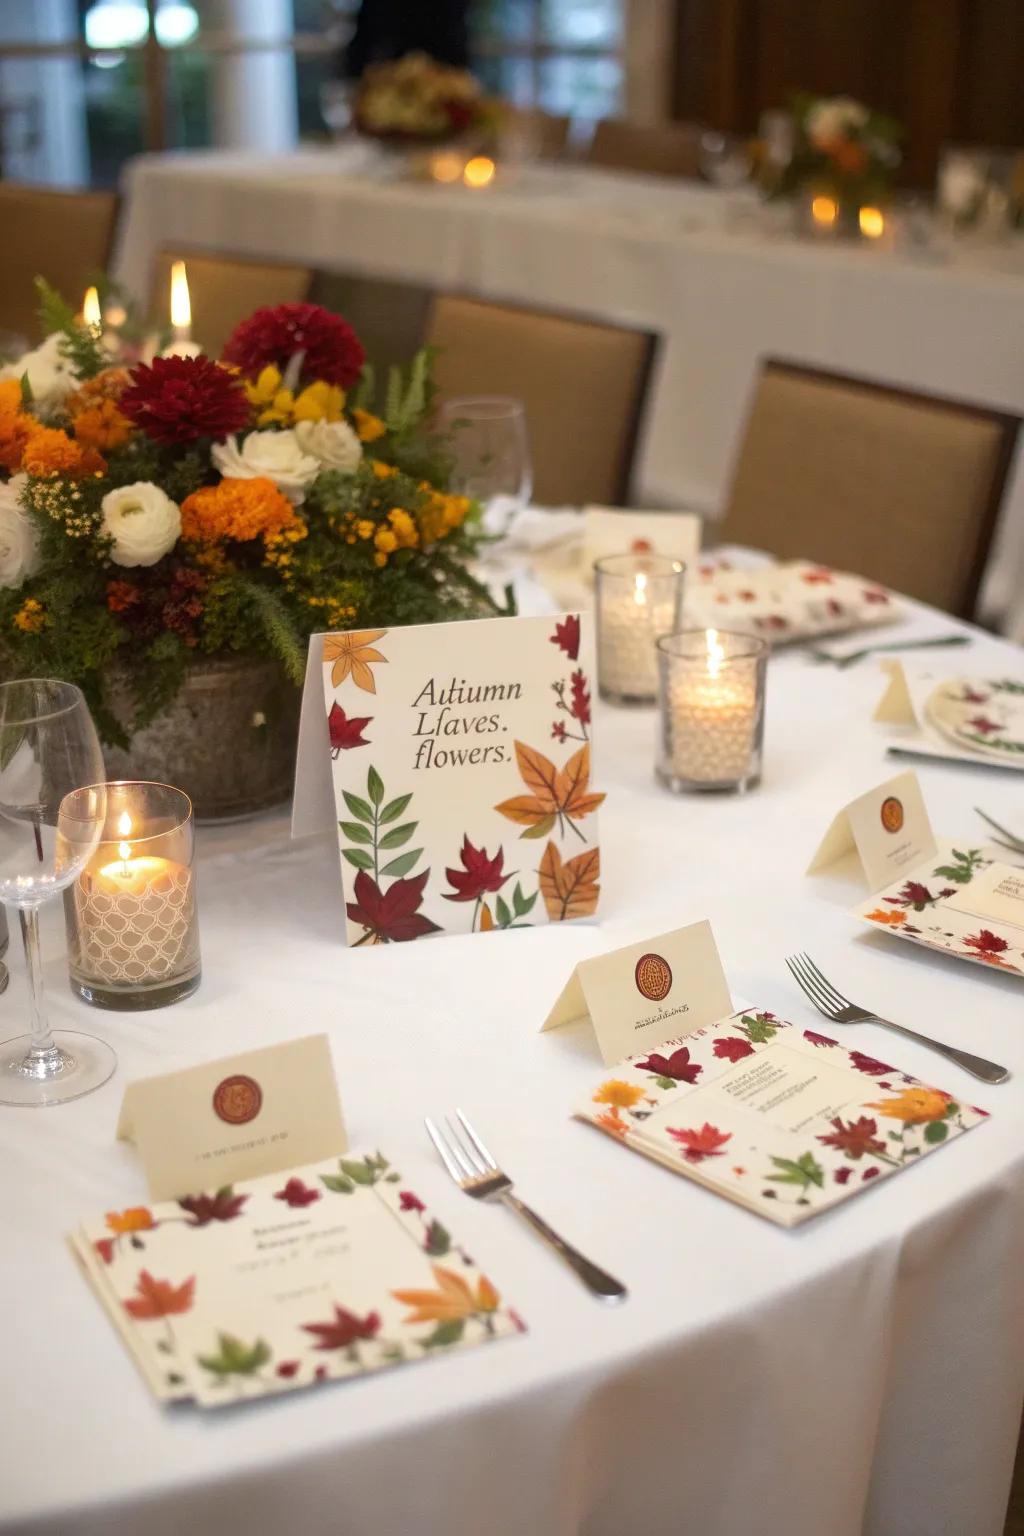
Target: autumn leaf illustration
{"type": "Point", "coordinates": [159, 1298]}
{"type": "Point", "coordinates": [570, 888]}
{"type": "Point", "coordinates": [346, 731]}
{"type": "Point", "coordinates": [390, 916]}
{"type": "Point", "coordinates": [344, 1329]}
{"type": "Point", "coordinates": [559, 795]}
{"type": "Point", "coordinates": [352, 655]}
{"type": "Point", "coordinates": [225, 1205]}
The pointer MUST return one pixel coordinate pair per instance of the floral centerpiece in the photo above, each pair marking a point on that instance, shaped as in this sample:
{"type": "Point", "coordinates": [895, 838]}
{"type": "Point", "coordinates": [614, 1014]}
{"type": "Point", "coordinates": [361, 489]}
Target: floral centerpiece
{"type": "Point", "coordinates": [188, 509]}
{"type": "Point", "coordinates": [844, 150]}
{"type": "Point", "coordinates": [416, 100]}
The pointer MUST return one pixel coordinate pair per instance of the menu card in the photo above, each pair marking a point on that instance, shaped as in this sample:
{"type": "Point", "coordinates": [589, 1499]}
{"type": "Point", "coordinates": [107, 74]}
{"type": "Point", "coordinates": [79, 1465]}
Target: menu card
{"type": "Point", "coordinates": [330, 1270]}
{"type": "Point", "coordinates": [784, 1121]}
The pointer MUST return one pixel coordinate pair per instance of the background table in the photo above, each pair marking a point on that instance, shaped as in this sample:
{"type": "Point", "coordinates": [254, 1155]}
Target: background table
{"type": "Point", "coordinates": [698, 266]}
{"type": "Point", "coordinates": [861, 1376]}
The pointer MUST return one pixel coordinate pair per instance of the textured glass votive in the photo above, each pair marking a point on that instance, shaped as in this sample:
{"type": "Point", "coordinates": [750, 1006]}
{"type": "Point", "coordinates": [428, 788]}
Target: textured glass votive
{"type": "Point", "coordinates": [133, 934]}
{"type": "Point", "coordinates": [639, 597]}
{"type": "Point", "coordinates": [711, 693]}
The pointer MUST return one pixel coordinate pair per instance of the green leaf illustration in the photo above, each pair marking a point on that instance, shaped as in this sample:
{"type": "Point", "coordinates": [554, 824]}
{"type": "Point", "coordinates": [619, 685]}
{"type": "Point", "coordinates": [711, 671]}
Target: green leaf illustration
{"type": "Point", "coordinates": [339, 1185]}
{"type": "Point", "coordinates": [375, 786]}
{"type": "Point", "coordinates": [403, 864]}
{"type": "Point", "coordinates": [952, 1109]}
{"type": "Point", "coordinates": [802, 1171]}
{"type": "Point", "coordinates": [446, 1333]}
{"type": "Point", "coordinates": [359, 1173]}
{"type": "Point", "coordinates": [394, 809]}
{"type": "Point", "coordinates": [398, 835]}
{"type": "Point", "coordinates": [936, 1131]}
{"type": "Point", "coordinates": [438, 1240]}
{"type": "Point", "coordinates": [356, 832]}
{"type": "Point", "coordinates": [759, 1031]}
{"type": "Point", "coordinates": [358, 857]}
{"type": "Point", "coordinates": [360, 808]}
{"type": "Point", "coordinates": [235, 1358]}
{"type": "Point", "coordinates": [540, 829]}
{"type": "Point", "coordinates": [521, 904]}
{"type": "Point", "coordinates": [502, 913]}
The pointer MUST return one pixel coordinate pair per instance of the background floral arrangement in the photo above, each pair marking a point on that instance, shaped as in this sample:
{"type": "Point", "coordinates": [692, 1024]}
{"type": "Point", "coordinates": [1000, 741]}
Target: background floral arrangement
{"type": "Point", "coordinates": [188, 506]}
{"type": "Point", "coordinates": [843, 147]}
{"type": "Point", "coordinates": [417, 98]}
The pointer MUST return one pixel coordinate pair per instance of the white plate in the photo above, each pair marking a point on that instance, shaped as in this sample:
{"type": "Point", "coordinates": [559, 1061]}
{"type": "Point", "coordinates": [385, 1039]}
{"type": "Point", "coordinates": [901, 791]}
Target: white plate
{"type": "Point", "coordinates": [983, 715]}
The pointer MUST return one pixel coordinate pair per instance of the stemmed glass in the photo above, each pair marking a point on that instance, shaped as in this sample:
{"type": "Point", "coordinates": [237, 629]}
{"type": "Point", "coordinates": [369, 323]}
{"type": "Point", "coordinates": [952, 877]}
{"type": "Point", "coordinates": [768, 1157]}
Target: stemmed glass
{"type": "Point", "coordinates": [724, 159]}
{"type": "Point", "coordinates": [52, 811]}
{"type": "Point", "coordinates": [490, 449]}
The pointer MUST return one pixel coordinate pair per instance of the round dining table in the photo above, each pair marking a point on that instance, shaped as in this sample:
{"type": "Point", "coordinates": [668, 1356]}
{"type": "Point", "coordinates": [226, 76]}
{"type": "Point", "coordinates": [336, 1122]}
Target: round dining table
{"type": "Point", "coordinates": [859, 1376]}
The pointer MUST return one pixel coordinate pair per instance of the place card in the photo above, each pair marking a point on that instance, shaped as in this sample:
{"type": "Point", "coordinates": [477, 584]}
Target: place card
{"type": "Point", "coordinates": [889, 828]}
{"type": "Point", "coordinates": [460, 760]}
{"type": "Point", "coordinates": [613, 531]}
{"type": "Point", "coordinates": [635, 995]}
{"type": "Point", "coordinates": [783, 1121]}
{"type": "Point", "coordinates": [235, 1118]}
{"type": "Point", "coordinates": [322, 1272]}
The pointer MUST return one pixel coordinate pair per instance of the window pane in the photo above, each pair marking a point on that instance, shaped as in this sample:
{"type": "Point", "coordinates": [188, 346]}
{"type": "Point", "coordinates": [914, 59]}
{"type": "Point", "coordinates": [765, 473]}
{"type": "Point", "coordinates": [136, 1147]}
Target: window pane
{"type": "Point", "coordinates": [503, 21]}
{"type": "Point", "coordinates": [511, 78]}
{"type": "Point", "coordinates": [582, 23]}
{"type": "Point", "coordinates": [585, 86]}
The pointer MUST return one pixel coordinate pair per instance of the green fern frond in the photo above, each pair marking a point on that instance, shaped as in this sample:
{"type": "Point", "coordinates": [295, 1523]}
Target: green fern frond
{"type": "Point", "coordinates": [278, 629]}
{"type": "Point", "coordinates": [79, 343]}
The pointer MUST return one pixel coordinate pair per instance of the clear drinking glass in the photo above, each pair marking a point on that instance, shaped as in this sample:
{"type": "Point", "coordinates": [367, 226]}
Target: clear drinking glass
{"type": "Point", "coordinates": [490, 447]}
{"type": "Point", "coordinates": [49, 827]}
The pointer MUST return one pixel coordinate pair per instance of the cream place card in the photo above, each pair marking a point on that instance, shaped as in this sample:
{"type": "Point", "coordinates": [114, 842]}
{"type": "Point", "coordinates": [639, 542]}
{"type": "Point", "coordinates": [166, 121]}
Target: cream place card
{"type": "Point", "coordinates": [235, 1118]}
{"type": "Point", "coordinates": [460, 761]}
{"type": "Point", "coordinates": [613, 531]}
{"type": "Point", "coordinates": [323, 1272]}
{"type": "Point", "coordinates": [888, 827]}
{"type": "Point", "coordinates": [783, 1121]}
{"type": "Point", "coordinates": [970, 719]}
{"type": "Point", "coordinates": [636, 995]}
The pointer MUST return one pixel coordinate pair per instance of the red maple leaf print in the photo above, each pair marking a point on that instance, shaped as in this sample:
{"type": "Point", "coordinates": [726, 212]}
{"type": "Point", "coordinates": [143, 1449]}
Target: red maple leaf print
{"type": "Point", "coordinates": [987, 943]}
{"type": "Point", "coordinates": [345, 1329]}
{"type": "Point", "coordinates": [346, 733]}
{"type": "Point", "coordinates": [567, 636]}
{"type": "Point", "coordinates": [822, 576]}
{"type": "Point", "coordinates": [854, 1137]}
{"type": "Point", "coordinates": [225, 1205]}
{"type": "Point", "coordinates": [580, 697]}
{"type": "Point", "coordinates": [732, 1048]}
{"type": "Point", "coordinates": [391, 916]}
{"type": "Point", "coordinates": [813, 1038]}
{"type": "Point", "coordinates": [297, 1194]}
{"type": "Point", "coordinates": [983, 725]}
{"type": "Point", "coordinates": [478, 875]}
{"type": "Point", "coordinates": [698, 1145]}
{"type": "Point", "coordinates": [105, 1248]}
{"type": "Point", "coordinates": [875, 595]}
{"type": "Point", "coordinates": [159, 1298]}
{"type": "Point", "coordinates": [678, 1066]}
{"type": "Point", "coordinates": [407, 1201]}
{"type": "Point", "coordinates": [869, 1065]}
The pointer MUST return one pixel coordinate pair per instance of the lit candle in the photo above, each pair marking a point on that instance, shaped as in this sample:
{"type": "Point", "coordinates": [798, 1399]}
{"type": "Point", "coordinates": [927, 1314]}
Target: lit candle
{"type": "Point", "coordinates": [639, 597]}
{"type": "Point", "coordinates": [712, 701]}
{"type": "Point", "coordinates": [479, 172]}
{"type": "Point", "coordinates": [134, 913]}
{"type": "Point", "coordinates": [92, 315]}
{"type": "Point", "coordinates": [824, 213]}
{"type": "Point", "coordinates": [181, 304]}
{"type": "Point", "coordinates": [872, 223]}
{"type": "Point", "coordinates": [447, 166]}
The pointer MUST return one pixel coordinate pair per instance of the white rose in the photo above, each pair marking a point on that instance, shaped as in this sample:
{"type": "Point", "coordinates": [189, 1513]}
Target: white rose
{"type": "Point", "coordinates": [19, 537]}
{"type": "Point", "coordinates": [51, 376]}
{"type": "Point", "coordinates": [143, 522]}
{"type": "Point", "coordinates": [332, 443]}
{"type": "Point", "coordinates": [273, 456]}
{"type": "Point", "coordinates": [835, 119]}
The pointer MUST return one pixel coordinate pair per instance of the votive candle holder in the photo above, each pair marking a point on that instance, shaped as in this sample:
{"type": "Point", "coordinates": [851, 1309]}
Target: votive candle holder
{"type": "Point", "coordinates": [639, 596]}
{"type": "Point", "coordinates": [712, 696]}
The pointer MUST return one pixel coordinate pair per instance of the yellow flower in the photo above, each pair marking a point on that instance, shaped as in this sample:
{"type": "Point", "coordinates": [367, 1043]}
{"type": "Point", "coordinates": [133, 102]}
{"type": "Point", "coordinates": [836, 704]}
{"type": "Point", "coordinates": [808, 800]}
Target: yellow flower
{"type": "Point", "coordinates": [30, 617]}
{"type": "Point", "coordinates": [405, 530]}
{"type": "Point", "coordinates": [914, 1106]}
{"type": "Point", "coordinates": [385, 540]}
{"type": "Point", "coordinates": [319, 402]}
{"type": "Point", "coordinates": [381, 470]}
{"type": "Point", "coordinates": [352, 655]}
{"type": "Point", "coordinates": [365, 528]}
{"type": "Point", "coordinates": [380, 558]}
{"type": "Point", "coordinates": [619, 1094]}
{"type": "Point", "coordinates": [136, 1219]}
{"type": "Point", "coordinates": [368, 426]}
{"type": "Point", "coordinates": [451, 1302]}
{"type": "Point", "coordinates": [268, 399]}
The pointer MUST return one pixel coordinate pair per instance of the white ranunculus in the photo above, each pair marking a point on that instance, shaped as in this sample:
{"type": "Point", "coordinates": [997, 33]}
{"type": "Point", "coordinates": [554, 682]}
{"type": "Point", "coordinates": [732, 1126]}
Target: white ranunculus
{"type": "Point", "coordinates": [332, 443]}
{"type": "Point", "coordinates": [273, 456]}
{"type": "Point", "coordinates": [835, 118]}
{"type": "Point", "coordinates": [51, 376]}
{"type": "Point", "coordinates": [19, 537]}
{"type": "Point", "coordinates": [143, 521]}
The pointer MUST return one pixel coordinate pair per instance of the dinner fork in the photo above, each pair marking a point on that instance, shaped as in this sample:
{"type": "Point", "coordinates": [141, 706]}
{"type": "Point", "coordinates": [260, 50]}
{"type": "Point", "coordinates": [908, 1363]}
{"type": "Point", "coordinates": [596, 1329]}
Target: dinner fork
{"type": "Point", "coordinates": [1014, 843]}
{"type": "Point", "coordinates": [852, 657]}
{"type": "Point", "coordinates": [476, 1173]}
{"type": "Point", "coordinates": [840, 1010]}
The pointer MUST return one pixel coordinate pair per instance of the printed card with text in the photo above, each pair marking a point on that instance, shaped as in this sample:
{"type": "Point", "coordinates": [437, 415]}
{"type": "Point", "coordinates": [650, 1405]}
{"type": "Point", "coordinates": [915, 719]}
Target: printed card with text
{"type": "Point", "coordinates": [673, 983]}
{"type": "Point", "coordinates": [888, 827]}
{"type": "Point", "coordinates": [784, 1121]}
{"type": "Point", "coordinates": [462, 775]}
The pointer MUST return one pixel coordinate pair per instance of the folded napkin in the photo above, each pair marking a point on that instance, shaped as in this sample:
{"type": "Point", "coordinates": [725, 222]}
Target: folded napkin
{"type": "Point", "coordinates": [797, 600]}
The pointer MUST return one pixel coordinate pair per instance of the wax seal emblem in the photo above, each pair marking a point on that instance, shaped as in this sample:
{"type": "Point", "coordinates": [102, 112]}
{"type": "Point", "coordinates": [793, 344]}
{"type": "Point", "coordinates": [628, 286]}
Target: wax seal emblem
{"type": "Point", "coordinates": [653, 977]}
{"type": "Point", "coordinates": [892, 813]}
{"type": "Point", "coordinates": [237, 1099]}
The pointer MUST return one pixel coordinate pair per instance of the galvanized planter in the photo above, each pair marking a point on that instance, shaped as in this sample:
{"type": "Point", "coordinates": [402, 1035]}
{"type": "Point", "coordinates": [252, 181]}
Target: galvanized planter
{"type": "Point", "coordinates": [228, 739]}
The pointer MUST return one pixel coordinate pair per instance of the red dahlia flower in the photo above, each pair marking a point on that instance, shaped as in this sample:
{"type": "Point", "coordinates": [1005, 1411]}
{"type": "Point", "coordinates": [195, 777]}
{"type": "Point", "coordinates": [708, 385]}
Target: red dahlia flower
{"type": "Point", "coordinates": [333, 351]}
{"type": "Point", "coordinates": [181, 399]}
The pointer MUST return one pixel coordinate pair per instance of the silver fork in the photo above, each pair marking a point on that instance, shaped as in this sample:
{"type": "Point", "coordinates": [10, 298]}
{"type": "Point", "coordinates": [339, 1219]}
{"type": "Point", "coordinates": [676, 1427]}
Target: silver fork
{"type": "Point", "coordinates": [1014, 843]}
{"type": "Point", "coordinates": [476, 1173]}
{"type": "Point", "coordinates": [840, 1010]}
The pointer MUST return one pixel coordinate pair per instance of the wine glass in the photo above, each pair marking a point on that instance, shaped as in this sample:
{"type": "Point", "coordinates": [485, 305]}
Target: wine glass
{"type": "Point", "coordinates": [52, 810]}
{"type": "Point", "coordinates": [490, 450]}
{"type": "Point", "coordinates": [724, 159]}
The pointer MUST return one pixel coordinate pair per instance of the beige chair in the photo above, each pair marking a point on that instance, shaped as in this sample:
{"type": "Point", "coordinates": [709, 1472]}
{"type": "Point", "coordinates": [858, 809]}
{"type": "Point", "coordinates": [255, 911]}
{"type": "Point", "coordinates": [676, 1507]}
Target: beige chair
{"type": "Point", "coordinates": [62, 236]}
{"type": "Point", "coordinates": [583, 385]}
{"type": "Point", "coordinates": [529, 131]}
{"type": "Point", "coordinates": [669, 149]}
{"type": "Point", "coordinates": [390, 318]}
{"type": "Point", "coordinates": [225, 290]}
{"type": "Point", "coordinates": [903, 488]}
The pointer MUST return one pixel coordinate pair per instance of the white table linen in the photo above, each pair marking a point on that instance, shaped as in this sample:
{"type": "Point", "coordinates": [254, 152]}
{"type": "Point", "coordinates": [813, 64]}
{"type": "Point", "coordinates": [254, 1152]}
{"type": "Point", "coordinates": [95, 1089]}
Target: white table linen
{"type": "Point", "coordinates": [722, 282]}
{"type": "Point", "coordinates": [860, 1377]}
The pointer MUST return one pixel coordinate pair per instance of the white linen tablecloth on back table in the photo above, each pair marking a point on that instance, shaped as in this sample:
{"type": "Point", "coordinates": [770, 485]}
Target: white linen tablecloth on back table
{"type": "Point", "coordinates": [860, 1376]}
{"type": "Point", "coordinates": [693, 264]}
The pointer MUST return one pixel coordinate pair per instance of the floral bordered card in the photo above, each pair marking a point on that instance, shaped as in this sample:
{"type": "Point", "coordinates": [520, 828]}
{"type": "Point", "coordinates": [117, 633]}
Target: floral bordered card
{"type": "Point", "coordinates": [329, 1271]}
{"type": "Point", "coordinates": [784, 1121]}
{"type": "Point", "coordinates": [462, 774]}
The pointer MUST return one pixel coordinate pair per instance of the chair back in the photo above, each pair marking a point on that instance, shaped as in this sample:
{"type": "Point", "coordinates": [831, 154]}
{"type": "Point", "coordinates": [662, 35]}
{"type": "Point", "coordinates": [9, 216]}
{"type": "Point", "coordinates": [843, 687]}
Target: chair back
{"type": "Point", "coordinates": [663, 149]}
{"type": "Point", "coordinates": [390, 318]}
{"type": "Point", "coordinates": [527, 132]}
{"type": "Point", "coordinates": [62, 236]}
{"type": "Point", "coordinates": [903, 488]}
{"type": "Point", "coordinates": [225, 290]}
{"type": "Point", "coordinates": [583, 385]}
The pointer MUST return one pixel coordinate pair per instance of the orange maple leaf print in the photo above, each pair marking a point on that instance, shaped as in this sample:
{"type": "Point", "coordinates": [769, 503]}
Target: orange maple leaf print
{"type": "Point", "coordinates": [569, 888]}
{"type": "Point", "coordinates": [452, 1300]}
{"type": "Point", "coordinates": [352, 655]}
{"type": "Point", "coordinates": [558, 795]}
{"type": "Point", "coordinates": [159, 1298]}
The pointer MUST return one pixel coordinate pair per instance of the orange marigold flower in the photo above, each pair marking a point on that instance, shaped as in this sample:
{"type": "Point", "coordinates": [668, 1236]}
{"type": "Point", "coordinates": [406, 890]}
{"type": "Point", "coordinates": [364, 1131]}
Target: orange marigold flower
{"type": "Point", "coordinates": [237, 509]}
{"type": "Point", "coordinates": [368, 426]}
{"type": "Point", "coordinates": [135, 1219]}
{"type": "Point", "coordinates": [10, 395]}
{"type": "Point", "coordinates": [15, 431]}
{"type": "Point", "coordinates": [49, 451]}
{"type": "Point", "coordinates": [108, 385]}
{"type": "Point", "coordinates": [30, 617]}
{"type": "Point", "coordinates": [101, 426]}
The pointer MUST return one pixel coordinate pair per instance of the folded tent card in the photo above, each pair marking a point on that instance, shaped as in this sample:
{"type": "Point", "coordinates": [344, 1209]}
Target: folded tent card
{"type": "Point", "coordinates": [953, 899]}
{"type": "Point", "coordinates": [970, 719]}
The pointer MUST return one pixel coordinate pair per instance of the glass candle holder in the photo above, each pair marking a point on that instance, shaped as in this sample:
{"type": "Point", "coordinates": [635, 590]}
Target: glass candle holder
{"type": "Point", "coordinates": [132, 929]}
{"type": "Point", "coordinates": [711, 689]}
{"type": "Point", "coordinates": [639, 597]}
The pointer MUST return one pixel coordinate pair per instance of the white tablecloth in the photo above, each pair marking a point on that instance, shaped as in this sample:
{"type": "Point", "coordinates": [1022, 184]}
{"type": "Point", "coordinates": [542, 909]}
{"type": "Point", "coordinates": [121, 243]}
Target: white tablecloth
{"type": "Point", "coordinates": [859, 1377]}
{"type": "Point", "coordinates": [696, 265]}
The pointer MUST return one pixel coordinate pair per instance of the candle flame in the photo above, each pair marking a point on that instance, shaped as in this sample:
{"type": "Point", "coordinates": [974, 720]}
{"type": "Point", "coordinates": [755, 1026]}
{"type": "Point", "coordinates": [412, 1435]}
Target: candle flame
{"type": "Point", "coordinates": [479, 171]}
{"type": "Point", "coordinates": [824, 210]}
{"type": "Point", "coordinates": [124, 827]}
{"type": "Point", "coordinates": [91, 312]}
{"type": "Point", "coordinates": [181, 305]}
{"type": "Point", "coordinates": [872, 223]}
{"type": "Point", "coordinates": [447, 167]}
{"type": "Point", "coordinates": [716, 652]}
{"type": "Point", "coordinates": [640, 589]}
